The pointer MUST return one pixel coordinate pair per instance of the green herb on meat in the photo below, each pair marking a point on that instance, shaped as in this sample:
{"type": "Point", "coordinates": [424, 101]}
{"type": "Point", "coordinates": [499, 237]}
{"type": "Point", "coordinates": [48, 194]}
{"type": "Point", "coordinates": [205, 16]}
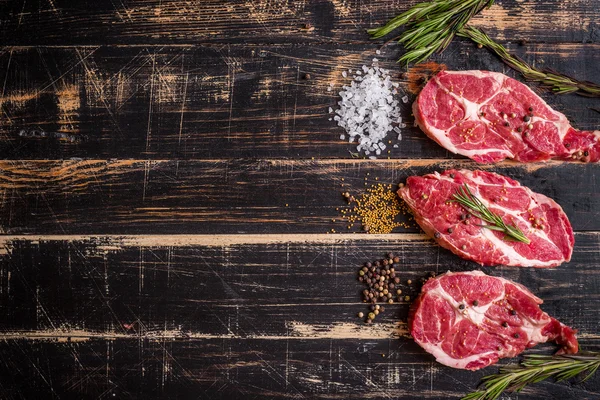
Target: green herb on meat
{"type": "Point", "coordinates": [464, 197]}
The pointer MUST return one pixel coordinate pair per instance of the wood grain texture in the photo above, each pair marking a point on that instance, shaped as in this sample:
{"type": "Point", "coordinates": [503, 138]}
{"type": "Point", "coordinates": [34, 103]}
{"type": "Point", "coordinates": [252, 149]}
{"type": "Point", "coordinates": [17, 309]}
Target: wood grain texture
{"type": "Point", "coordinates": [236, 196]}
{"type": "Point", "coordinates": [139, 316]}
{"type": "Point", "coordinates": [222, 101]}
{"type": "Point", "coordinates": [240, 369]}
{"type": "Point", "coordinates": [62, 22]}
{"type": "Point", "coordinates": [167, 177]}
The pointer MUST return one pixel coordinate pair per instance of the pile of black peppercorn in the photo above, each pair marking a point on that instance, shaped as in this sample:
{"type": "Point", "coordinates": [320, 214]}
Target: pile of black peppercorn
{"type": "Point", "coordinates": [382, 284]}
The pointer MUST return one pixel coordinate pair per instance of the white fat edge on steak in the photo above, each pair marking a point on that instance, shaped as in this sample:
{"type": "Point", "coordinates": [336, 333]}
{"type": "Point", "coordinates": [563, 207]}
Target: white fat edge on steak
{"type": "Point", "coordinates": [476, 314]}
{"type": "Point", "coordinates": [509, 251]}
{"type": "Point", "coordinates": [535, 199]}
{"type": "Point", "coordinates": [472, 112]}
{"type": "Point", "coordinates": [562, 124]}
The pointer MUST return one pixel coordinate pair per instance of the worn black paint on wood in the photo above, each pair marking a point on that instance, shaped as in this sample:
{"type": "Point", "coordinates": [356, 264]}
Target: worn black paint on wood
{"type": "Point", "coordinates": [221, 101]}
{"type": "Point", "coordinates": [68, 22]}
{"type": "Point", "coordinates": [139, 318]}
{"type": "Point", "coordinates": [180, 118]}
{"type": "Point", "coordinates": [237, 196]}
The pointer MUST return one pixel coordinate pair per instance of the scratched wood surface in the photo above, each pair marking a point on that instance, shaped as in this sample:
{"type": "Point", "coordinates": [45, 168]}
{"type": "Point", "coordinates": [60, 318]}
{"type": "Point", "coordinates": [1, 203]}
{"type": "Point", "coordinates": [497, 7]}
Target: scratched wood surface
{"type": "Point", "coordinates": [168, 174]}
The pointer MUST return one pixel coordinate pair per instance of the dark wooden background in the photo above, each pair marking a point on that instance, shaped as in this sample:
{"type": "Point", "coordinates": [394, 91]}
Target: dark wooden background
{"type": "Point", "coordinates": [168, 177]}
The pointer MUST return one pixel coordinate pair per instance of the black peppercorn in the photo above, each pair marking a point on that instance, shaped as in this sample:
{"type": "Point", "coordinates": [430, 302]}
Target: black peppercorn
{"type": "Point", "coordinates": [475, 303]}
{"type": "Point", "coordinates": [461, 307]}
{"type": "Point", "coordinates": [505, 324]}
{"type": "Point", "coordinates": [513, 312]}
{"type": "Point", "coordinates": [526, 118]}
{"type": "Point", "coordinates": [437, 235]}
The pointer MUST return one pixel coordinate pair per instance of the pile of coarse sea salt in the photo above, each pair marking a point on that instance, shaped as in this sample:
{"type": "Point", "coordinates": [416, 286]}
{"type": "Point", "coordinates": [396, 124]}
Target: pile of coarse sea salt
{"type": "Point", "coordinates": [368, 110]}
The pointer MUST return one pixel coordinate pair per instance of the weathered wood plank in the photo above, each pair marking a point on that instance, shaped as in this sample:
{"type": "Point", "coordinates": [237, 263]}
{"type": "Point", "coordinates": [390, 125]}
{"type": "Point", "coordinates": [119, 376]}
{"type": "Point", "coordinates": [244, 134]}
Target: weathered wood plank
{"type": "Point", "coordinates": [243, 369]}
{"type": "Point", "coordinates": [236, 196]}
{"type": "Point", "coordinates": [298, 286]}
{"type": "Point", "coordinates": [268, 21]}
{"type": "Point", "coordinates": [162, 316]}
{"type": "Point", "coordinates": [224, 101]}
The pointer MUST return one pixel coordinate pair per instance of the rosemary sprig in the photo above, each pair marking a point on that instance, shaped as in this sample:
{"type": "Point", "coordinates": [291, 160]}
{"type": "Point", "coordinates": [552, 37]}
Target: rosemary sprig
{"type": "Point", "coordinates": [432, 25]}
{"type": "Point", "coordinates": [480, 210]}
{"type": "Point", "coordinates": [536, 368]}
{"type": "Point", "coordinates": [555, 81]}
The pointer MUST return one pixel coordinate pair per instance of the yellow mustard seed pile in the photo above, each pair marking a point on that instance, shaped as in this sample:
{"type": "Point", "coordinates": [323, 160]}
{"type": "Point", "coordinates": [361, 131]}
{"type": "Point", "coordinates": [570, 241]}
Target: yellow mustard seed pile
{"type": "Point", "coordinates": [375, 210]}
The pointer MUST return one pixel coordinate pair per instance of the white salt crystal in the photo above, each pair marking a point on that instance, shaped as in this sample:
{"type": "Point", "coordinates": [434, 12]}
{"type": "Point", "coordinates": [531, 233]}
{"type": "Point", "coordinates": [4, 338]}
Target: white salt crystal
{"type": "Point", "coordinates": [378, 52]}
{"type": "Point", "coordinates": [395, 146]}
{"type": "Point", "coordinates": [344, 74]}
{"type": "Point", "coordinates": [405, 99]}
{"type": "Point", "coordinates": [367, 109]}
{"type": "Point", "coordinates": [329, 89]}
{"type": "Point", "coordinates": [330, 110]}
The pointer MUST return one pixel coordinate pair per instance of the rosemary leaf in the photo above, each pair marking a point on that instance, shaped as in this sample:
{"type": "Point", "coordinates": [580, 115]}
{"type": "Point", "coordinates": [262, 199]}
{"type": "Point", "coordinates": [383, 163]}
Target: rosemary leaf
{"type": "Point", "coordinates": [533, 369]}
{"type": "Point", "coordinates": [555, 81]}
{"type": "Point", "coordinates": [465, 197]}
{"type": "Point", "coordinates": [431, 26]}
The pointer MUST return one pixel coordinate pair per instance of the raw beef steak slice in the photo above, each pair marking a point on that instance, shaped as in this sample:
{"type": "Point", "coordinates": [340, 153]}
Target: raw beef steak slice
{"type": "Point", "coordinates": [540, 218]}
{"type": "Point", "coordinates": [488, 117]}
{"type": "Point", "coordinates": [470, 320]}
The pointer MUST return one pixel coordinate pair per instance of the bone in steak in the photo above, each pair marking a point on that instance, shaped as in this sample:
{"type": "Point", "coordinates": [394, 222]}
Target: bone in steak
{"type": "Point", "coordinates": [470, 320]}
{"type": "Point", "coordinates": [540, 218]}
{"type": "Point", "coordinates": [488, 117]}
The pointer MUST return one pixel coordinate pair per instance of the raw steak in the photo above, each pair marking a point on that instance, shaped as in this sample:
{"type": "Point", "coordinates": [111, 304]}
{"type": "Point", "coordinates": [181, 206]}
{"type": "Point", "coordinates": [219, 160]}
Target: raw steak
{"type": "Point", "coordinates": [540, 218]}
{"type": "Point", "coordinates": [470, 320]}
{"type": "Point", "coordinates": [488, 117]}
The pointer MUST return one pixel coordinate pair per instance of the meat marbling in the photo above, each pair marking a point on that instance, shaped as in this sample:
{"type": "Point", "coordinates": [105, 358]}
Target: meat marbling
{"type": "Point", "coordinates": [539, 217]}
{"type": "Point", "coordinates": [488, 117]}
{"type": "Point", "coordinates": [470, 320]}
